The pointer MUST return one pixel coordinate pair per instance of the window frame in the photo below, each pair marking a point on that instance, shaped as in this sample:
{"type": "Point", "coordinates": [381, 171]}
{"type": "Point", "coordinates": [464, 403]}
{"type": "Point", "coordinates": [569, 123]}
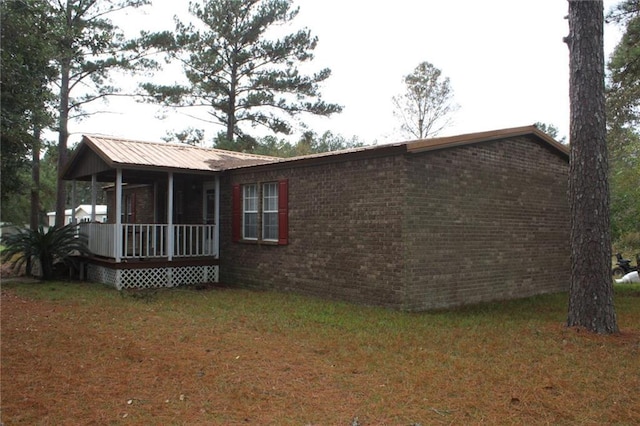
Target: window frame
{"type": "Point", "coordinates": [269, 208]}
{"type": "Point", "coordinates": [276, 205]}
{"type": "Point", "coordinates": [253, 212]}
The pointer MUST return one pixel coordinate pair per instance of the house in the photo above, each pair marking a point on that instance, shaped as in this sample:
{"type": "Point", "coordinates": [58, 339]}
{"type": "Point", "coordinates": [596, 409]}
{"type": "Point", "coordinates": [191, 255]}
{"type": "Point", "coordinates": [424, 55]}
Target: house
{"type": "Point", "coordinates": [83, 213]}
{"type": "Point", "coordinates": [416, 225]}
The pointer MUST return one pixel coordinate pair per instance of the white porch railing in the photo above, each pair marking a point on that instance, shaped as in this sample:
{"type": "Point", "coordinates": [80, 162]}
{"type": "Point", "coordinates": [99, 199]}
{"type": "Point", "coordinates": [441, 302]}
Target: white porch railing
{"type": "Point", "coordinates": [151, 240]}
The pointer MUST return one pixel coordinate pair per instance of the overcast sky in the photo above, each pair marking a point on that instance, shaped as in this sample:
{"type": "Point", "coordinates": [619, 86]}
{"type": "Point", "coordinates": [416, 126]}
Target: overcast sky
{"type": "Point", "coordinates": [506, 61]}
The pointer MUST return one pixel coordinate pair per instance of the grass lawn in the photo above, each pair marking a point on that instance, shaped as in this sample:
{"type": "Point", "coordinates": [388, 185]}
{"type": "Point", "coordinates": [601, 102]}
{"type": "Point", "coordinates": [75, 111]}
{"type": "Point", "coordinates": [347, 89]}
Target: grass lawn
{"type": "Point", "coordinates": [77, 353]}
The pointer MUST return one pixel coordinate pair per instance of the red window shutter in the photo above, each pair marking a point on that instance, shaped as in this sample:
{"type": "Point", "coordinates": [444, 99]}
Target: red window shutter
{"type": "Point", "coordinates": [236, 218]}
{"type": "Point", "coordinates": [283, 212]}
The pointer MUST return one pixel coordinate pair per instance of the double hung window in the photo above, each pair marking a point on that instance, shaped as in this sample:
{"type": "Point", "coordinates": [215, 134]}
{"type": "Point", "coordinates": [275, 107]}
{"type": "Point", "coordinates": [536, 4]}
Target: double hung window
{"type": "Point", "coordinates": [270, 211]}
{"type": "Point", "coordinates": [260, 212]}
{"type": "Point", "coordinates": [250, 212]}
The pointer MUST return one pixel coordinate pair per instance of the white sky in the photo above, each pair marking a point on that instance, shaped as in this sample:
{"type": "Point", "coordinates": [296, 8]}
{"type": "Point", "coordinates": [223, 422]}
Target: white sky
{"type": "Point", "coordinates": [506, 60]}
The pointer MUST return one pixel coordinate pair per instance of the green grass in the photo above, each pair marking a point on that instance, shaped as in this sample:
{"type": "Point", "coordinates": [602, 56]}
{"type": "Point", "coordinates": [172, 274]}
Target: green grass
{"type": "Point", "coordinates": [231, 356]}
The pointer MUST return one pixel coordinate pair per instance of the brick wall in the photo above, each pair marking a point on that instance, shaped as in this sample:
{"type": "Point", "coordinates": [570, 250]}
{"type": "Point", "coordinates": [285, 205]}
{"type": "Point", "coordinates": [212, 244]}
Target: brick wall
{"type": "Point", "coordinates": [413, 231]}
{"type": "Point", "coordinates": [344, 233]}
{"type": "Point", "coordinates": [143, 203]}
{"type": "Point", "coordinates": [187, 201]}
{"type": "Point", "coordinates": [486, 222]}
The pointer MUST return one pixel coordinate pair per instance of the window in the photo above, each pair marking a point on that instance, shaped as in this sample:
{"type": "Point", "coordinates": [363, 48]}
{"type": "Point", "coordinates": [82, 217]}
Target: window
{"type": "Point", "coordinates": [270, 211]}
{"type": "Point", "coordinates": [250, 212]}
{"type": "Point", "coordinates": [210, 206]}
{"type": "Point", "coordinates": [260, 212]}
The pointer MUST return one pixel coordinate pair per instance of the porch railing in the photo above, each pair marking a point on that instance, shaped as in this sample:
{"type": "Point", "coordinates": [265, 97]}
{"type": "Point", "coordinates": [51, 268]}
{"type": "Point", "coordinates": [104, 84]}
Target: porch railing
{"type": "Point", "coordinates": [151, 240]}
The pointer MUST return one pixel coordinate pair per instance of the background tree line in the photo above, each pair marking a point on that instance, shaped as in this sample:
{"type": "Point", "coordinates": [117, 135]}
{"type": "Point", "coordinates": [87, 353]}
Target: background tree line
{"type": "Point", "coordinates": [623, 126]}
{"type": "Point", "coordinates": [60, 55]}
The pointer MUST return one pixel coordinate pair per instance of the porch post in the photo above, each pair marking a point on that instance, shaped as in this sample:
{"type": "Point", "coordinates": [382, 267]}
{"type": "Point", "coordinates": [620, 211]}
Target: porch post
{"type": "Point", "coordinates": [94, 197]}
{"type": "Point", "coordinates": [117, 237]}
{"type": "Point", "coordinates": [73, 202]}
{"type": "Point", "coordinates": [216, 231]}
{"type": "Point", "coordinates": [170, 217]}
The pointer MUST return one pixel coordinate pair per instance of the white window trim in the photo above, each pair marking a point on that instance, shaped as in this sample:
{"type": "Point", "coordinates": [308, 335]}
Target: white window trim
{"type": "Point", "coordinates": [272, 211]}
{"type": "Point", "coordinates": [245, 211]}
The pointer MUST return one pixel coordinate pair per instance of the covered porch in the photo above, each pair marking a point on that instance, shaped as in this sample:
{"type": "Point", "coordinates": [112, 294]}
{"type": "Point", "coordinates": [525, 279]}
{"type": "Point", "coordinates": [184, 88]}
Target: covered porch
{"type": "Point", "coordinates": [150, 216]}
{"type": "Point", "coordinates": [163, 210]}
{"type": "Point", "coordinates": [160, 231]}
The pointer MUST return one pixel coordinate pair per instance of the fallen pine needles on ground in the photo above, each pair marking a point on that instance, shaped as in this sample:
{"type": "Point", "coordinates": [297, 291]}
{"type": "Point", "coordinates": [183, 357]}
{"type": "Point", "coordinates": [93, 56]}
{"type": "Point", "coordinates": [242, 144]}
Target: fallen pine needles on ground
{"type": "Point", "coordinates": [78, 353]}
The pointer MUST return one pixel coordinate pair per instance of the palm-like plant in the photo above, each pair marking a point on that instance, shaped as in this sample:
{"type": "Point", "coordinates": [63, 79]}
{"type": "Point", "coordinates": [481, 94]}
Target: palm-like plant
{"type": "Point", "coordinates": [55, 245]}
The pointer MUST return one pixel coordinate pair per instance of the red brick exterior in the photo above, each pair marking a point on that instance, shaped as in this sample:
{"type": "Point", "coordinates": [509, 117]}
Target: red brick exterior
{"type": "Point", "coordinates": [413, 231]}
{"type": "Point", "coordinates": [142, 199]}
{"type": "Point", "coordinates": [485, 222]}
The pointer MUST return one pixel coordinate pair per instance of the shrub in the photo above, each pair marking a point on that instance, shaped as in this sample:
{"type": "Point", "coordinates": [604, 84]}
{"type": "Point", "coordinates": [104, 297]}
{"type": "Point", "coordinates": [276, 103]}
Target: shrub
{"type": "Point", "coordinates": [56, 245]}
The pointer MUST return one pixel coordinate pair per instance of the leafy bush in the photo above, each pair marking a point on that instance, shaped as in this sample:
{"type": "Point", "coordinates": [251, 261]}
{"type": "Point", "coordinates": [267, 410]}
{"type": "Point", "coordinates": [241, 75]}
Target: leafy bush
{"type": "Point", "coordinates": [56, 245]}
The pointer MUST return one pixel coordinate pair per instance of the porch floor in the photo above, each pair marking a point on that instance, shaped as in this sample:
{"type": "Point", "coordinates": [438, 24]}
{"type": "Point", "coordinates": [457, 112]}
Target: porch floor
{"type": "Point", "coordinates": [151, 273]}
{"type": "Point", "coordinates": [132, 263]}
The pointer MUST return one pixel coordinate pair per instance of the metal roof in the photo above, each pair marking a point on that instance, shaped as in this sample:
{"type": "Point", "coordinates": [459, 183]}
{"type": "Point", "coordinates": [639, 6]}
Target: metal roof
{"type": "Point", "coordinates": [172, 155]}
{"type": "Point", "coordinates": [139, 155]}
{"type": "Point", "coordinates": [472, 138]}
{"type": "Point", "coordinates": [432, 144]}
{"type": "Point", "coordinates": [103, 152]}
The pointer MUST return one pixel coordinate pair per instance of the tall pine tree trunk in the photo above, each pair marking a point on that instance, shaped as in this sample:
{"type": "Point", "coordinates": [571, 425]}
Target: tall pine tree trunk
{"type": "Point", "coordinates": [231, 114]}
{"type": "Point", "coordinates": [34, 217]}
{"type": "Point", "coordinates": [63, 136]}
{"type": "Point", "coordinates": [591, 289]}
{"type": "Point", "coordinates": [67, 45]}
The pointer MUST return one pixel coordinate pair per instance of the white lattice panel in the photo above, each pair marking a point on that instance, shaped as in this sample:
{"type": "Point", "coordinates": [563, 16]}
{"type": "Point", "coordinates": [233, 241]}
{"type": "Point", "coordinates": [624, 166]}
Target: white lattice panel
{"type": "Point", "coordinates": [143, 278]}
{"type": "Point", "coordinates": [152, 277]}
{"type": "Point", "coordinates": [212, 274]}
{"type": "Point", "coordinates": [103, 275]}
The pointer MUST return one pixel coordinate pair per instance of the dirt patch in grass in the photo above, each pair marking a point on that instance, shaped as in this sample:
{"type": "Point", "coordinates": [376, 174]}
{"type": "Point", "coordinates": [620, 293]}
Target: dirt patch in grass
{"type": "Point", "coordinates": [84, 354]}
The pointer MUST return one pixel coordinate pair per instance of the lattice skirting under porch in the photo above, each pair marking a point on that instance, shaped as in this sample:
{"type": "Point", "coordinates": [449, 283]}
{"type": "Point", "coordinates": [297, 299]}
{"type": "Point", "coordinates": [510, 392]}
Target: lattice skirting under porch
{"type": "Point", "coordinates": [152, 277]}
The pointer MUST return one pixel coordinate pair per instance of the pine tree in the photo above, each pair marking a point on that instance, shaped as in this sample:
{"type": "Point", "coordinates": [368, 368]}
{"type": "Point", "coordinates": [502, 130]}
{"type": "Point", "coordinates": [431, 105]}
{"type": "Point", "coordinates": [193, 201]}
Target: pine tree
{"type": "Point", "coordinates": [242, 76]}
{"type": "Point", "coordinates": [90, 47]}
{"type": "Point", "coordinates": [591, 287]}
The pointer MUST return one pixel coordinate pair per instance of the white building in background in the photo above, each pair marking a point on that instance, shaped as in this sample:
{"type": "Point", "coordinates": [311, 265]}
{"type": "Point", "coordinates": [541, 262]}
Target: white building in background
{"type": "Point", "coordinates": [82, 214]}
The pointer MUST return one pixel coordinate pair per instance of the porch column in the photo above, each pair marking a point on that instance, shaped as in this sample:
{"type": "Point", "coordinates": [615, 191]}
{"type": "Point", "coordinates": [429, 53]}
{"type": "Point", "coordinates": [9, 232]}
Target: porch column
{"type": "Point", "coordinates": [170, 217]}
{"type": "Point", "coordinates": [94, 197]}
{"type": "Point", "coordinates": [117, 237]}
{"type": "Point", "coordinates": [73, 202]}
{"type": "Point", "coordinates": [216, 231]}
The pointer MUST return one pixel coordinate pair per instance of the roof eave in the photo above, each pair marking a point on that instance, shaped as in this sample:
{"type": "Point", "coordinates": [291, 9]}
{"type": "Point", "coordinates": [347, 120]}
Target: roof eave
{"type": "Point", "coordinates": [473, 138]}
{"type": "Point", "coordinates": [327, 157]}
